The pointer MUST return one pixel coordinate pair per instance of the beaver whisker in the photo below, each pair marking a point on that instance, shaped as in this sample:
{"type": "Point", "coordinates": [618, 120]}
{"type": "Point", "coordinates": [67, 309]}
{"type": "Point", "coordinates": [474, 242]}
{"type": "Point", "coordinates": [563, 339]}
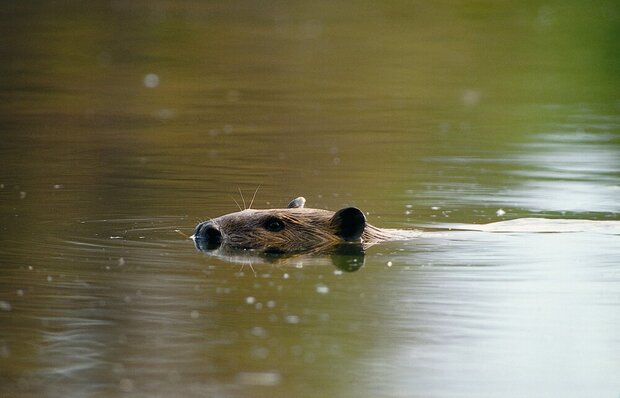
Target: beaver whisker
{"type": "Point", "coordinates": [178, 231]}
{"type": "Point", "coordinates": [251, 267]}
{"type": "Point", "coordinates": [254, 196]}
{"type": "Point", "coordinates": [242, 198]}
{"type": "Point", "coordinates": [237, 203]}
{"type": "Point", "coordinates": [204, 220]}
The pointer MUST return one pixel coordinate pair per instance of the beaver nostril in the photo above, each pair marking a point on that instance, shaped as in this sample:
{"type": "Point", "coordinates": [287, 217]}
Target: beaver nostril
{"type": "Point", "coordinates": [207, 236]}
{"type": "Point", "coordinates": [213, 235]}
{"type": "Point", "coordinates": [207, 231]}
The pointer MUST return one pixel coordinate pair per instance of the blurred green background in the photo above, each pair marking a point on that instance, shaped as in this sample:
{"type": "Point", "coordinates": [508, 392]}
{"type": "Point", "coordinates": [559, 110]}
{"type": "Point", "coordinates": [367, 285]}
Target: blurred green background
{"type": "Point", "coordinates": [371, 100]}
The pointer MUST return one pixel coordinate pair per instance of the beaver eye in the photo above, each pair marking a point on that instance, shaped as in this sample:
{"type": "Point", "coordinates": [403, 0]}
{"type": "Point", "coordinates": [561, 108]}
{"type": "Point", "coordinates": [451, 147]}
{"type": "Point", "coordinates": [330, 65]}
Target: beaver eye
{"type": "Point", "coordinates": [273, 224]}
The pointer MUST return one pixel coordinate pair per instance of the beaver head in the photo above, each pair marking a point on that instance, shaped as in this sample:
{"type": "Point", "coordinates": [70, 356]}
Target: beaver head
{"type": "Point", "coordinates": [291, 229]}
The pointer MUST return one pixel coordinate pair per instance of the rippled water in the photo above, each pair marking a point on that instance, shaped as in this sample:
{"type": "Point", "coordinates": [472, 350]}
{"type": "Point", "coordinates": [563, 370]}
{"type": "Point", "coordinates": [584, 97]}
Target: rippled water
{"type": "Point", "coordinates": [125, 124]}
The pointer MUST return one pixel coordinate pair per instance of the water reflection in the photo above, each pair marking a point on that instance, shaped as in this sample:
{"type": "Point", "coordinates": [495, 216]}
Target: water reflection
{"type": "Point", "coordinates": [575, 172]}
{"type": "Point", "coordinates": [568, 168]}
{"type": "Point", "coordinates": [348, 257]}
{"type": "Point", "coordinates": [494, 304]}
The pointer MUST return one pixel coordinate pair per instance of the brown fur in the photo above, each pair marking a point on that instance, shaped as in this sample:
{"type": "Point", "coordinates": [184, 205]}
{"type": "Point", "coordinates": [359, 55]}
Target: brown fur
{"type": "Point", "coordinates": [302, 229]}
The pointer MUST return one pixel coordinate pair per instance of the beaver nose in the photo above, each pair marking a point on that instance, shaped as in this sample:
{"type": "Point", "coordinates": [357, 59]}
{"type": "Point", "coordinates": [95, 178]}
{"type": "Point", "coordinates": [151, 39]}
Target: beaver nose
{"type": "Point", "coordinates": [208, 231]}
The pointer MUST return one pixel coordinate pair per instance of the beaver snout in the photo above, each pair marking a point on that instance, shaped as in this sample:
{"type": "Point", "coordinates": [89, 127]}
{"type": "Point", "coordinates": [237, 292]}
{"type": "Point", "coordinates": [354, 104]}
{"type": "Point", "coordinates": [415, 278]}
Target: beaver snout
{"type": "Point", "coordinates": [208, 232]}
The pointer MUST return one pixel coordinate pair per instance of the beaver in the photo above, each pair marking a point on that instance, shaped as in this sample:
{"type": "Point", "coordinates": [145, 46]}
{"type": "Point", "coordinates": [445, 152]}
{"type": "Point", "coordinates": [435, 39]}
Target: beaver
{"type": "Point", "coordinates": [296, 229]}
{"type": "Point", "coordinates": [291, 229]}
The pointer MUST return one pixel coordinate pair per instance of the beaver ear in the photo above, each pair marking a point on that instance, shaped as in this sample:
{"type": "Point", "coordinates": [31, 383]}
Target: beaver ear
{"type": "Point", "coordinates": [349, 223]}
{"type": "Point", "coordinates": [297, 203]}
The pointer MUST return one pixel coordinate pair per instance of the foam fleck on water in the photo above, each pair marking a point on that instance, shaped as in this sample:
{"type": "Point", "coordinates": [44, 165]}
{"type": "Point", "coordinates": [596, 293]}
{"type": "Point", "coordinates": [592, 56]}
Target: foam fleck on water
{"type": "Point", "coordinates": [293, 319]}
{"type": "Point", "coordinates": [151, 80]}
{"type": "Point", "coordinates": [259, 378]}
{"type": "Point", "coordinates": [322, 289]}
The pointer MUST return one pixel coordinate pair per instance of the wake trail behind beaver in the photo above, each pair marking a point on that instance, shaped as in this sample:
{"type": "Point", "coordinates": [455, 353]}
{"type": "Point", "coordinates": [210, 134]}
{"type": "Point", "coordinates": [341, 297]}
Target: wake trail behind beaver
{"type": "Point", "coordinates": [536, 225]}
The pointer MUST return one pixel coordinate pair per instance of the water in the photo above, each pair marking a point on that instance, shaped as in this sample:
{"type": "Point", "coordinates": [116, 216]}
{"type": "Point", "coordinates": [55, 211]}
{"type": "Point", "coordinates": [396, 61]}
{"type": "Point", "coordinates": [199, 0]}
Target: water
{"type": "Point", "coordinates": [124, 122]}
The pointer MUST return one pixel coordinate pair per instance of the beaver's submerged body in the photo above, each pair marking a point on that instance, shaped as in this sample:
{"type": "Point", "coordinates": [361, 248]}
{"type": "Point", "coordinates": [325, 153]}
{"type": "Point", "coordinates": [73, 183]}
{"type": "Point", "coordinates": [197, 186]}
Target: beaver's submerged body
{"type": "Point", "coordinates": [299, 229]}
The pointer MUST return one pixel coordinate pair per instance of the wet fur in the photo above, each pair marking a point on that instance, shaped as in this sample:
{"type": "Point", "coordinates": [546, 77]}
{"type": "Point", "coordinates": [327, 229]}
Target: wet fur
{"type": "Point", "coordinates": [304, 229]}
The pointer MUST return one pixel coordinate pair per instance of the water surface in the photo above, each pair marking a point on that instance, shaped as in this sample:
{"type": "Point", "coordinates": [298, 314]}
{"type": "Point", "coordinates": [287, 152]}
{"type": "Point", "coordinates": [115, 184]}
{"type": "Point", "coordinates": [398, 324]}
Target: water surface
{"type": "Point", "coordinates": [122, 123]}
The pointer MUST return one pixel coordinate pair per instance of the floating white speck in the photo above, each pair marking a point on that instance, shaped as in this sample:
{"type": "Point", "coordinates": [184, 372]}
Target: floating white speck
{"type": "Point", "coordinates": [22, 195]}
{"type": "Point", "coordinates": [389, 264]}
{"type": "Point", "coordinates": [293, 319]}
{"type": "Point", "coordinates": [500, 212]}
{"type": "Point", "coordinates": [259, 378]}
{"type": "Point", "coordinates": [258, 331]}
{"type": "Point", "coordinates": [194, 314]}
{"type": "Point", "coordinates": [151, 80]}
{"type": "Point", "coordinates": [435, 208]}
{"type": "Point", "coordinates": [250, 300]}
{"type": "Point", "coordinates": [285, 276]}
{"type": "Point", "coordinates": [5, 306]}
{"type": "Point", "coordinates": [322, 289]}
